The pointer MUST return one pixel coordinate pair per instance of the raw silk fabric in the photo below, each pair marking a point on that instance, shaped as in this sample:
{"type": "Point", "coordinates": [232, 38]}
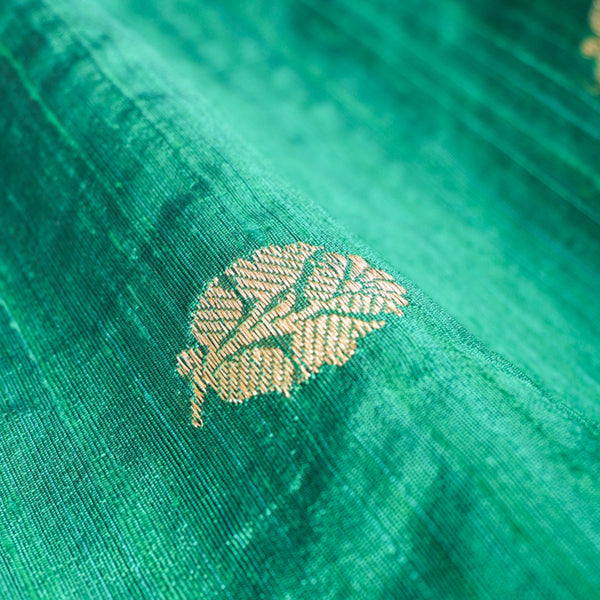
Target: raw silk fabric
{"type": "Point", "coordinates": [146, 147]}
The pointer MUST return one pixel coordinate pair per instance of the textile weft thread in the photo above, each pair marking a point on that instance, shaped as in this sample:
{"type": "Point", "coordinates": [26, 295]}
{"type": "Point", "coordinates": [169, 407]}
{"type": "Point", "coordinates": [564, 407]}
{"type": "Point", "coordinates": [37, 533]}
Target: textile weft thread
{"type": "Point", "coordinates": [271, 322]}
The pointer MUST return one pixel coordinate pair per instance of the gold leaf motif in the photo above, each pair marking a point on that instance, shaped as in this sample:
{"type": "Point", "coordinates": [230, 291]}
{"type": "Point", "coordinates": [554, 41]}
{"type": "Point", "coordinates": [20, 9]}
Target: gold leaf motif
{"type": "Point", "coordinates": [590, 47]}
{"type": "Point", "coordinates": [271, 322]}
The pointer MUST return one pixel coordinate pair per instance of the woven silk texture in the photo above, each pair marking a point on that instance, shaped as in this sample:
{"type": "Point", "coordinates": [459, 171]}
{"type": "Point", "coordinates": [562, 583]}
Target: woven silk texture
{"type": "Point", "coordinates": [299, 299]}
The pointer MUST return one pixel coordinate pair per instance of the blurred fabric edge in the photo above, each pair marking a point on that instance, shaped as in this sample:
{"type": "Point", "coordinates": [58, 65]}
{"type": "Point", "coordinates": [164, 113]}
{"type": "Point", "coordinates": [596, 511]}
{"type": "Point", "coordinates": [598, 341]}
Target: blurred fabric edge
{"type": "Point", "coordinates": [458, 140]}
{"type": "Point", "coordinates": [425, 467]}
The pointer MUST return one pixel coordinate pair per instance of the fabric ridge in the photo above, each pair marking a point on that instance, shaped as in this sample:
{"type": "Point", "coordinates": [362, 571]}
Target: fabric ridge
{"type": "Point", "coordinates": [363, 236]}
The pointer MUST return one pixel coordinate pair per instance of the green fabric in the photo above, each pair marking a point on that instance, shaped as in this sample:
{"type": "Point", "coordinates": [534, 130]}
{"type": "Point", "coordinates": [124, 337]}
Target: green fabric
{"type": "Point", "coordinates": [146, 146]}
{"type": "Point", "coordinates": [457, 139]}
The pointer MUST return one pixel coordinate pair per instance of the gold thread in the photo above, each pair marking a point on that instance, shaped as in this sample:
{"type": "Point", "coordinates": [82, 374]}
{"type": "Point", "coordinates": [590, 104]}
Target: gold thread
{"type": "Point", "coordinates": [590, 47]}
{"type": "Point", "coordinates": [253, 339]}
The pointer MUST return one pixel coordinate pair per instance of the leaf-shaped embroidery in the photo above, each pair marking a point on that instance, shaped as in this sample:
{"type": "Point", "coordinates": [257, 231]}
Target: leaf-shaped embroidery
{"type": "Point", "coordinates": [590, 47]}
{"type": "Point", "coordinates": [272, 321]}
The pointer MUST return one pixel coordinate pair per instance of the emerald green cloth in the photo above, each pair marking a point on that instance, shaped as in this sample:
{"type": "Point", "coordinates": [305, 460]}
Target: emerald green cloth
{"type": "Point", "coordinates": [147, 146]}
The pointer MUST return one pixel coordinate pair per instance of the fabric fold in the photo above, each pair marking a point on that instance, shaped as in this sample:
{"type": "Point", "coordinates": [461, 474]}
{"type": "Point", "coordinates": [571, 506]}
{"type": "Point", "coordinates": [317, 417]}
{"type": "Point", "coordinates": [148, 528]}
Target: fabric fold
{"type": "Point", "coordinates": [425, 466]}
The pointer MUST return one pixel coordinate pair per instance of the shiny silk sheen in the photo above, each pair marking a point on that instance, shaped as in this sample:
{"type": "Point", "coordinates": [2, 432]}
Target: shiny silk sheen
{"type": "Point", "coordinates": [148, 147]}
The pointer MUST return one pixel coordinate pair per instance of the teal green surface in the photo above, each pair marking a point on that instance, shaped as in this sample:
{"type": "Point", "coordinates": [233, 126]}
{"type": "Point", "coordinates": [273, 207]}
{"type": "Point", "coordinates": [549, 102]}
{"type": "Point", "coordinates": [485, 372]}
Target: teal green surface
{"type": "Point", "coordinates": [458, 139]}
{"type": "Point", "coordinates": [134, 172]}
